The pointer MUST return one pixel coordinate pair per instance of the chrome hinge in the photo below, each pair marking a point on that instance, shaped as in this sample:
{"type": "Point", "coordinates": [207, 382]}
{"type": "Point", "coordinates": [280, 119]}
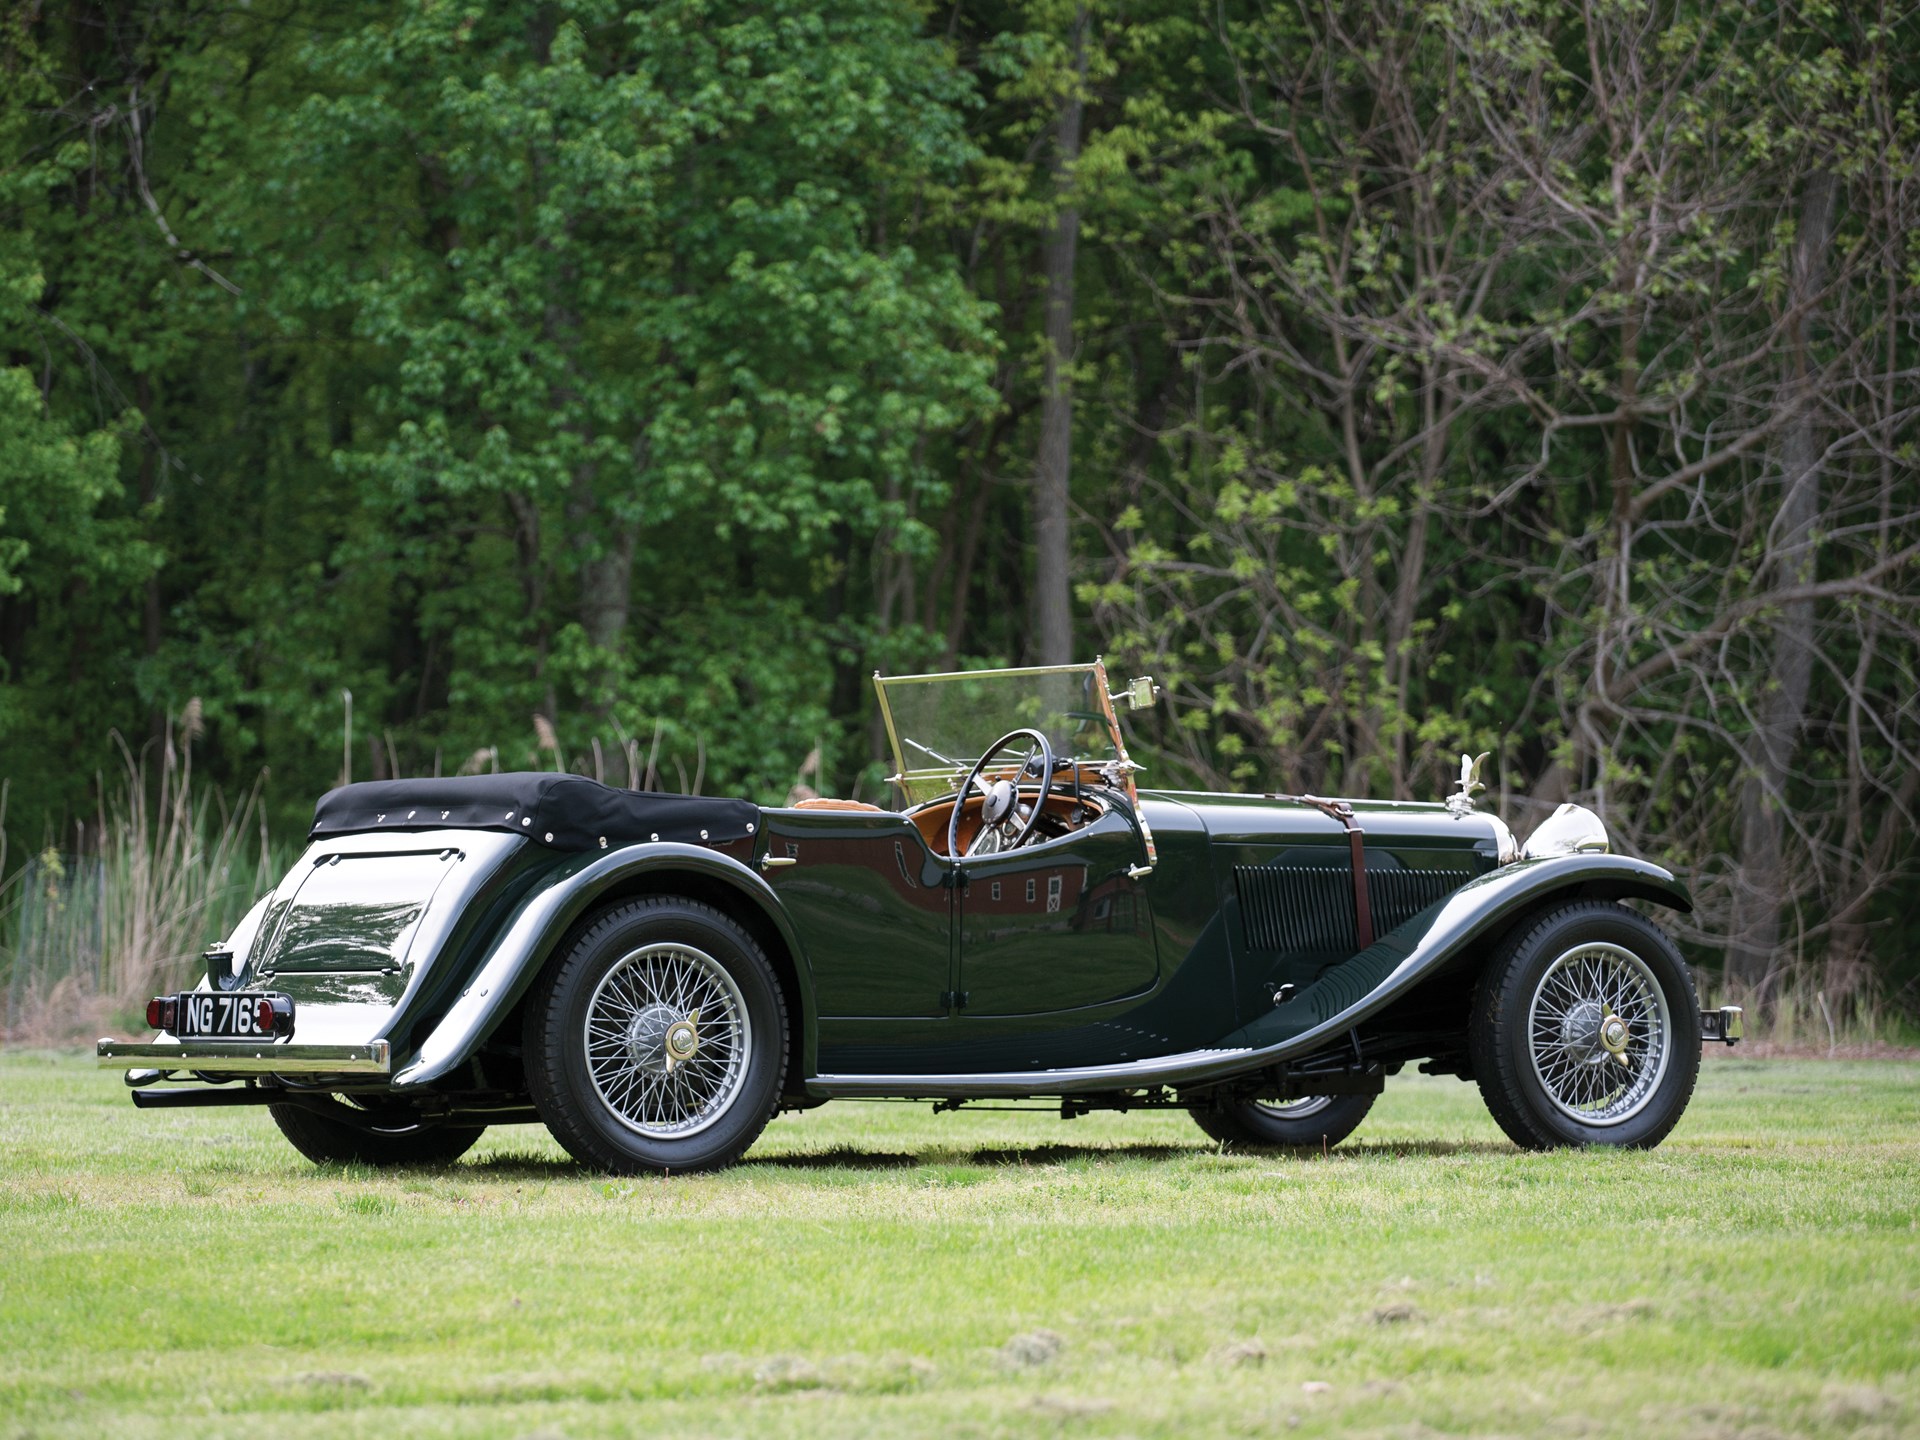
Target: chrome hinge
{"type": "Point", "coordinates": [771, 862]}
{"type": "Point", "coordinates": [953, 999]}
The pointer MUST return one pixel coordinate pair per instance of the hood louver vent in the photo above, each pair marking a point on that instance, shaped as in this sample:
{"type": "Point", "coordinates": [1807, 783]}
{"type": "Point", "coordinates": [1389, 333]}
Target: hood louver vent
{"type": "Point", "coordinates": [1309, 908]}
{"type": "Point", "coordinates": [1296, 908]}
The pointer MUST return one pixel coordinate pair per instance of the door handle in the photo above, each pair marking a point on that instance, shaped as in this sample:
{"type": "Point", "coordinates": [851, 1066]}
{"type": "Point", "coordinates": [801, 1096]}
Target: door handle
{"type": "Point", "coordinates": [1139, 872]}
{"type": "Point", "coordinates": [774, 862]}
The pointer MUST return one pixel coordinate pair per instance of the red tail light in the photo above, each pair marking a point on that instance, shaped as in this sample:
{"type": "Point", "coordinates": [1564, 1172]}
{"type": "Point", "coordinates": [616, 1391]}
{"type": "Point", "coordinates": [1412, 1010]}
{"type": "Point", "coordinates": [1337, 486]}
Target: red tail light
{"type": "Point", "coordinates": [273, 1015]}
{"type": "Point", "coordinates": [163, 1012]}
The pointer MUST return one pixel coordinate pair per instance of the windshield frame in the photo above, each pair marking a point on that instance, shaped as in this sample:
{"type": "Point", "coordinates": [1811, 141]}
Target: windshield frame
{"type": "Point", "coordinates": [924, 783]}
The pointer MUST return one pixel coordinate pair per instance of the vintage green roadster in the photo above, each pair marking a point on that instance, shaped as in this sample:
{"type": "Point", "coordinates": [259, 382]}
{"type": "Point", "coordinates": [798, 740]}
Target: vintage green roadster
{"type": "Point", "coordinates": [654, 976]}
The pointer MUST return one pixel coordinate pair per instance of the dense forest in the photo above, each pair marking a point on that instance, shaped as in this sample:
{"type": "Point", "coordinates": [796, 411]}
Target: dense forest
{"type": "Point", "coordinates": [426, 387]}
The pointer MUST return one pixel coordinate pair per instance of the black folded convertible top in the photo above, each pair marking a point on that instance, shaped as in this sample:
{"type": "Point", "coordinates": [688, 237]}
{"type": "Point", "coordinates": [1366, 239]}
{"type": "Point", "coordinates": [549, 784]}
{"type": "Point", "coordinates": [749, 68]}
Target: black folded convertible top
{"type": "Point", "coordinates": [568, 812]}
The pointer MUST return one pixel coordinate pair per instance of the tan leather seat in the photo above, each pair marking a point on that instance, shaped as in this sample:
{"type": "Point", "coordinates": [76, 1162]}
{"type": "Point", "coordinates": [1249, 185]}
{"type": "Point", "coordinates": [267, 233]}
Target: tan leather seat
{"type": "Point", "coordinates": [821, 802]}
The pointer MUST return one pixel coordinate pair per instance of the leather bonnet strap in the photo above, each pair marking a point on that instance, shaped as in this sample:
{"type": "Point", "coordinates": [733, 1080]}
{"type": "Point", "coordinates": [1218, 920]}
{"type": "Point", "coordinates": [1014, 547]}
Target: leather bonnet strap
{"type": "Point", "coordinates": [1362, 902]}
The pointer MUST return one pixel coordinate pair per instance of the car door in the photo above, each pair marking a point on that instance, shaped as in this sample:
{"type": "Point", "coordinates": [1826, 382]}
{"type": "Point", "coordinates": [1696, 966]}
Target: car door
{"type": "Point", "coordinates": [873, 907]}
{"type": "Point", "coordinates": [1057, 926]}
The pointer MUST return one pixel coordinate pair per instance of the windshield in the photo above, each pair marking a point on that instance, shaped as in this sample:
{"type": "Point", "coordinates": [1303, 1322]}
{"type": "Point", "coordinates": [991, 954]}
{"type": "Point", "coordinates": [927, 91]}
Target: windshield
{"type": "Point", "coordinates": [941, 724]}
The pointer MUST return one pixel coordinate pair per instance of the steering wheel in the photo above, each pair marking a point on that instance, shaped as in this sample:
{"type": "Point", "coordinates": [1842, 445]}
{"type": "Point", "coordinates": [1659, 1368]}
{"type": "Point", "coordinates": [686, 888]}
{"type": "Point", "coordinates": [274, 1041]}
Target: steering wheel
{"type": "Point", "coordinates": [1000, 813]}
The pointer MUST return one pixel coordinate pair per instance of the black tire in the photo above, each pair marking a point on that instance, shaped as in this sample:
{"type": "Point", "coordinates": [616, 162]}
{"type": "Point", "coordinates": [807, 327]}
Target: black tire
{"type": "Point", "coordinates": [1542, 1064]}
{"type": "Point", "coordinates": [327, 1140]}
{"type": "Point", "coordinates": [1318, 1122]}
{"type": "Point", "coordinates": [622, 1128]}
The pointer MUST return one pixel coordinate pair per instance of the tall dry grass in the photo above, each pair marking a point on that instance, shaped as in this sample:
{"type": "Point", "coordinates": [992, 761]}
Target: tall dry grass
{"type": "Point", "coordinates": [162, 870]}
{"type": "Point", "coordinates": [1801, 1017]}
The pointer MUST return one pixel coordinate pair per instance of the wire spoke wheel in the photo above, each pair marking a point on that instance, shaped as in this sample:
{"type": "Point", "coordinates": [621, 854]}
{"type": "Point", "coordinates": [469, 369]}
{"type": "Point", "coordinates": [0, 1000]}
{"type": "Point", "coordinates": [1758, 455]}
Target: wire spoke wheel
{"type": "Point", "coordinates": [359, 1130]}
{"type": "Point", "coordinates": [657, 1042]}
{"type": "Point", "coordinates": [1294, 1109]}
{"type": "Point", "coordinates": [1313, 1122]}
{"type": "Point", "coordinates": [667, 1038]}
{"type": "Point", "coordinates": [1599, 1033]}
{"type": "Point", "coordinates": [1585, 1029]}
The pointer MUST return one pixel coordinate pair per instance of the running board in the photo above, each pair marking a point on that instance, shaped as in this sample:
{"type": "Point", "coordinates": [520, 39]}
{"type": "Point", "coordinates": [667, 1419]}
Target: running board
{"type": "Point", "coordinates": [1189, 1067]}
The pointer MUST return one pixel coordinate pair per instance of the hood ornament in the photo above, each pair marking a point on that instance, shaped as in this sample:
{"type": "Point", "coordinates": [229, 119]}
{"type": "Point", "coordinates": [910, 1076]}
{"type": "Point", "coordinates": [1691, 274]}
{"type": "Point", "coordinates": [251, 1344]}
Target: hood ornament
{"type": "Point", "coordinates": [1460, 802]}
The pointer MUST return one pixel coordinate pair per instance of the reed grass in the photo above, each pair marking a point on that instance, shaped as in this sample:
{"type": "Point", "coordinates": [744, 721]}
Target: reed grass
{"type": "Point", "coordinates": [164, 868]}
{"type": "Point", "coordinates": [1802, 1016]}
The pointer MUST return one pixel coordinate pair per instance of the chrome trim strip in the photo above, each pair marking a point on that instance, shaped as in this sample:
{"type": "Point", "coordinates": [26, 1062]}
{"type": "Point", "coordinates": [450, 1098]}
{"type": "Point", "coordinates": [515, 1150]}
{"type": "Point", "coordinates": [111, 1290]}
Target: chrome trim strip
{"type": "Point", "coordinates": [1012, 1084]}
{"type": "Point", "coordinates": [993, 674]}
{"type": "Point", "coordinates": [249, 1057]}
{"type": "Point", "coordinates": [1495, 895]}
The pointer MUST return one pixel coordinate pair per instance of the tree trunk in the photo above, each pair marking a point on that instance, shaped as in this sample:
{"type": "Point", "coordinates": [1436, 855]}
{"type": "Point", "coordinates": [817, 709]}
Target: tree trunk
{"type": "Point", "coordinates": [530, 565]}
{"type": "Point", "coordinates": [604, 549]}
{"type": "Point", "coordinates": [1053, 614]}
{"type": "Point", "coordinates": [1762, 884]}
{"type": "Point", "coordinates": [151, 609]}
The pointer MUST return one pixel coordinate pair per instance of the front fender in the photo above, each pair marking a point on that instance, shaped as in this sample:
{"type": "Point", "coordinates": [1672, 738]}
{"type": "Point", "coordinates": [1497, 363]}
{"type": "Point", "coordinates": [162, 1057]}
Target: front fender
{"type": "Point", "coordinates": [1478, 911]}
{"type": "Point", "coordinates": [524, 943]}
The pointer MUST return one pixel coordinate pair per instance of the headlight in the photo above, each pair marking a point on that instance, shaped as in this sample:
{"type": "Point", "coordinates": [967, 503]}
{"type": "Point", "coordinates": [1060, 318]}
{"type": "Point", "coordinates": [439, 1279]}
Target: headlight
{"type": "Point", "coordinates": [1570, 830]}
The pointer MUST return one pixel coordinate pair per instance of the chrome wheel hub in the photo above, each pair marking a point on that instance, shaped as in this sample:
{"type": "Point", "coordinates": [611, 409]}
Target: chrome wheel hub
{"type": "Point", "coordinates": [683, 1040]}
{"type": "Point", "coordinates": [1599, 1033]}
{"type": "Point", "coordinates": [1615, 1035]}
{"type": "Point", "coordinates": [667, 1036]}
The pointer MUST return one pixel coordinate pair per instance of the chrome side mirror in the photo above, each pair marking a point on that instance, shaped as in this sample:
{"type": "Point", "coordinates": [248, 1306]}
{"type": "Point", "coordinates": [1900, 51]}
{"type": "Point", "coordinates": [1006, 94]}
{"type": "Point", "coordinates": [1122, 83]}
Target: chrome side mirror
{"type": "Point", "coordinates": [1141, 693]}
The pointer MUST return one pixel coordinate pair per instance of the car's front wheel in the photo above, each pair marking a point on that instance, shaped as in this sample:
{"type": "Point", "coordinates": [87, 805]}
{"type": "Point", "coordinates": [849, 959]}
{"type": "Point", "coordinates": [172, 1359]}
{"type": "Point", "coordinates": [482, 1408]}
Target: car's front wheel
{"type": "Point", "coordinates": [658, 1040]}
{"type": "Point", "coordinates": [1586, 1030]}
{"type": "Point", "coordinates": [1318, 1121]}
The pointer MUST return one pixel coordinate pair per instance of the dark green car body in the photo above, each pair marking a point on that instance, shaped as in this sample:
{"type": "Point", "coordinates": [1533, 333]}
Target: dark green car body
{"type": "Point", "coordinates": [1075, 967]}
{"type": "Point", "coordinates": [653, 976]}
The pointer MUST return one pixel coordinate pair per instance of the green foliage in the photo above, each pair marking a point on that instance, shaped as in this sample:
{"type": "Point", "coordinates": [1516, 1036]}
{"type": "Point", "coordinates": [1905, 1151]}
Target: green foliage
{"type": "Point", "coordinates": [662, 372]}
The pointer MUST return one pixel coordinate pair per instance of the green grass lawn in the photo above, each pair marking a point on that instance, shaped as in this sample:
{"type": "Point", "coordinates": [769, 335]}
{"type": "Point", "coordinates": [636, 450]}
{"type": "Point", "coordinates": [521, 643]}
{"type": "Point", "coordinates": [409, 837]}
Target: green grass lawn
{"type": "Point", "coordinates": [876, 1269]}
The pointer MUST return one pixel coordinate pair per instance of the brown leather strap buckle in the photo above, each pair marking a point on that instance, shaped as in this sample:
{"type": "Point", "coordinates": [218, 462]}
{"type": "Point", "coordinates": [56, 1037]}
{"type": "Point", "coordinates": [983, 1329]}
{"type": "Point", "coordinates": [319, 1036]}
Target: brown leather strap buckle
{"type": "Point", "coordinates": [1356, 839]}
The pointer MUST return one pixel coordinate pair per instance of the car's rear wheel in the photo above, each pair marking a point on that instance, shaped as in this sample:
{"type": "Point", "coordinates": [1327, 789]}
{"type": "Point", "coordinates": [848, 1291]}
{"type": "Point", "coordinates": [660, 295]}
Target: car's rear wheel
{"type": "Point", "coordinates": [1586, 1030]}
{"type": "Point", "coordinates": [1318, 1121]}
{"type": "Point", "coordinates": [658, 1040]}
{"type": "Point", "coordinates": [331, 1131]}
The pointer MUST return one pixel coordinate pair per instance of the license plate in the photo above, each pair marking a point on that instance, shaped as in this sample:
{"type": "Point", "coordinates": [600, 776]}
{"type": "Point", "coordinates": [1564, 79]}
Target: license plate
{"type": "Point", "coordinates": [234, 1016]}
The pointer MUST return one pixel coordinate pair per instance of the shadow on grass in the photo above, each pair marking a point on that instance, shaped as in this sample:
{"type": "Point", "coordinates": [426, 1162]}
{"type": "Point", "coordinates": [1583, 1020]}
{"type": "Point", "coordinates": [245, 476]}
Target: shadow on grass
{"type": "Point", "coordinates": [847, 1157]}
{"type": "Point", "coordinates": [840, 1157]}
{"type": "Point", "coordinates": [511, 1166]}
{"type": "Point", "coordinates": [1394, 1149]}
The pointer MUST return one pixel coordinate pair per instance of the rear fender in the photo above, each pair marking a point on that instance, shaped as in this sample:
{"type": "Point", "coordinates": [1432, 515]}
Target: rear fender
{"type": "Point", "coordinates": [530, 936]}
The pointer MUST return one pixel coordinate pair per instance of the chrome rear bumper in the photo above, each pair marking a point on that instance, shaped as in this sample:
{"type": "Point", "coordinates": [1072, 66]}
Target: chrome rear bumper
{"type": "Point", "coordinates": [250, 1057]}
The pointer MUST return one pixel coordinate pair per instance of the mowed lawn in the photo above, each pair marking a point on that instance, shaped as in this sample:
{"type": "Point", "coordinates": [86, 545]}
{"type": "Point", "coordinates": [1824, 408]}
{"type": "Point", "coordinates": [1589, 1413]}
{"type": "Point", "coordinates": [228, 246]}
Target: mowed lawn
{"type": "Point", "coordinates": [877, 1269]}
